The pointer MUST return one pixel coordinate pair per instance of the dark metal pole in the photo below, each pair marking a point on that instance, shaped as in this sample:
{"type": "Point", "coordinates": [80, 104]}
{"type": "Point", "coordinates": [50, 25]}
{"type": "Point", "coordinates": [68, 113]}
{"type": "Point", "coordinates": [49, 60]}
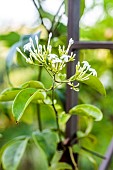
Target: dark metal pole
{"type": "Point", "coordinates": [73, 32]}
{"type": "Point", "coordinates": [78, 45]}
{"type": "Point", "coordinates": [109, 154]}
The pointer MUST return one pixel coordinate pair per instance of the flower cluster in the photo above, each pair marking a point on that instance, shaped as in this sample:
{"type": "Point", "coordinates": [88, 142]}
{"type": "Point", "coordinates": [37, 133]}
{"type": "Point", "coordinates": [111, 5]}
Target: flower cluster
{"type": "Point", "coordinates": [43, 56]}
{"type": "Point", "coordinates": [84, 72]}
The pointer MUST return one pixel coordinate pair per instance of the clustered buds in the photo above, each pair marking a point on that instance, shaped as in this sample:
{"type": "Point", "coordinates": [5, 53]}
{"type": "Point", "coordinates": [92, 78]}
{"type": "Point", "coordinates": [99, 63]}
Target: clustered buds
{"type": "Point", "coordinates": [42, 55]}
{"type": "Point", "coordinates": [84, 72]}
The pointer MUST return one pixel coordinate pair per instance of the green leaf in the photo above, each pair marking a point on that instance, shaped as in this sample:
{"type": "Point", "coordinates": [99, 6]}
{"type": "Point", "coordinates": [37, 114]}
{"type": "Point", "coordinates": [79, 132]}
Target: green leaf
{"type": "Point", "coordinates": [10, 38]}
{"type": "Point", "coordinates": [2, 149]}
{"type": "Point", "coordinates": [28, 116]}
{"type": "Point", "coordinates": [47, 141]}
{"type": "Point", "coordinates": [57, 156]}
{"type": "Point", "coordinates": [82, 7]}
{"type": "Point", "coordinates": [47, 115]}
{"type": "Point", "coordinates": [87, 110]}
{"type": "Point", "coordinates": [95, 83]}
{"type": "Point", "coordinates": [23, 99]}
{"type": "Point", "coordinates": [60, 166]}
{"type": "Point", "coordinates": [42, 163]}
{"type": "Point", "coordinates": [9, 94]}
{"type": "Point", "coordinates": [13, 153]}
{"type": "Point", "coordinates": [33, 84]}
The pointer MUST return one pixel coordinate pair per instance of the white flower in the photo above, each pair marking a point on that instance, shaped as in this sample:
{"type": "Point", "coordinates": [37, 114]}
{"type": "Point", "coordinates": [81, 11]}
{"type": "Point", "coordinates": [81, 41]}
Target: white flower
{"type": "Point", "coordinates": [65, 58]}
{"type": "Point", "coordinates": [52, 56]}
{"type": "Point", "coordinates": [28, 60]}
{"type": "Point", "coordinates": [86, 65]}
{"type": "Point", "coordinates": [93, 71]}
{"type": "Point", "coordinates": [84, 72]}
{"type": "Point", "coordinates": [27, 47]}
{"type": "Point", "coordinates": [40, 48]}
{"type": "Point", "coordinates": [18, 49]}
{"type": "Point", "coordinates": [57, 60]}
{"type": "Point", "coordinates": [71, 41]}
{"type": "Point", "coordinates": [48, 45]}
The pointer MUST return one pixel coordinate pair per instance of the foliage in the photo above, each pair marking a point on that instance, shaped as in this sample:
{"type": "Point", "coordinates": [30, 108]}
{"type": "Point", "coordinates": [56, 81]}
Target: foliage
{"type": "Point", "coordinates": [35, 92]}
{"type": "Point", "coordinates": [42, 100]}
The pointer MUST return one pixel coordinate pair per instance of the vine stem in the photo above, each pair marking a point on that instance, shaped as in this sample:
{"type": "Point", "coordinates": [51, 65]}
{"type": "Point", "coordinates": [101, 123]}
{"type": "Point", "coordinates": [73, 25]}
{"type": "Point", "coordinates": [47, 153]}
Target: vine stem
{"type": "Point", "coordinates": [38, 106]}
{"type": "Point", "coordinates": [56, 16]}
{"type": "Point", "coordinates": [38, 10]}
{"type": "Point", "coordinates": [72, 158]}
{"type": "Point", "coordinates": [56, 113]}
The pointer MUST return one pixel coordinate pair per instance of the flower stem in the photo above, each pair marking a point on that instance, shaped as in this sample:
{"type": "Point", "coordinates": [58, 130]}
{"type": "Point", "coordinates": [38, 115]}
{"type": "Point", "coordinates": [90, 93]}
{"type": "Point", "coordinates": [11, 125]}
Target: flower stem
{"type": "Point", "coordinates": [38, 106]}
{"type": "Point", "coordinates": [56, 113]}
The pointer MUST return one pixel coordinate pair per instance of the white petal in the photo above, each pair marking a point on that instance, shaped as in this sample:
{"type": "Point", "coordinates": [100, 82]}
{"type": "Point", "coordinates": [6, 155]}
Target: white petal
{"type": "Point", "coordinates": [93, 71]}
{"type": "Point", "coordinates": [52, 56]}
{"type": "Point", "coordinates": [71, 41]}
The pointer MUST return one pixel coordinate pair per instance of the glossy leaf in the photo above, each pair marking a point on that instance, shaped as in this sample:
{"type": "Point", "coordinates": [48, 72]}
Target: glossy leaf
{"type": "Point", "coordinates": [87, 110]}
{"type": "Point", "coordinates": [42, 162]}
{"type": "Point", "coordinates": [28, 116]}
{"type": "Point", "coordinates": [13, 153]}
{"type": "Point", "coordinates": [33, 84]}
{"type": "Point", "coordinates": [57, 156]}
{"type": "Point", "coordinates": [9, 94]}
{"type": "Point", "coordinates": [23, 99]}
{"type": "Point", "coordinates": [95, 83]}
{"type": "Point", "coordinates": [47, 141]}
{"type": "Point", "coordinates": [47, 115]}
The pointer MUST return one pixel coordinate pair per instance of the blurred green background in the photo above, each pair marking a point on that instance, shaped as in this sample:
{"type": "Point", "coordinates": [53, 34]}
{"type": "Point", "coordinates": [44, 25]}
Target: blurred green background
{"type": "Point", "coordinates": [96, 24]}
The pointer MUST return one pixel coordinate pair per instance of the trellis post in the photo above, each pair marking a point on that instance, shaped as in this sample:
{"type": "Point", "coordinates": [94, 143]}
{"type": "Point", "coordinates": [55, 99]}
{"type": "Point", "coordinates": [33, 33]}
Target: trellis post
{"type": "Point", "coordinates": [73, 32]}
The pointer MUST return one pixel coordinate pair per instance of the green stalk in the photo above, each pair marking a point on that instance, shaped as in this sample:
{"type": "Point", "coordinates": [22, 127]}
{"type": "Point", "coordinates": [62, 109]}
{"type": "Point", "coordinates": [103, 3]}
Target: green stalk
{"type": "Point", "coordinates": [56, 113]}
{"type": "Point", "coordinates": [38, 106]}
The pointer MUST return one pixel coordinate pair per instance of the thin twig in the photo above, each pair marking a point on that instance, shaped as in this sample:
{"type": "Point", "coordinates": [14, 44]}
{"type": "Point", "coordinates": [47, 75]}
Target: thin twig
{"type": "Point", "coordinates": [72, 158]}
{"type": "Point", "coordinates": [56, 113]}
{"type": "Point", "coordinates": [94, 153]}
{"type": "Point", "coordinates": [35, 4]}
{"type": "Point", "coordinates": [55, 27]}
{"type": "Point", "coordinates": [56, 15]}
{"type": "Point", "coordinates": [38, 10]}
{"type": "Point", "coordinates": [38, 106]}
